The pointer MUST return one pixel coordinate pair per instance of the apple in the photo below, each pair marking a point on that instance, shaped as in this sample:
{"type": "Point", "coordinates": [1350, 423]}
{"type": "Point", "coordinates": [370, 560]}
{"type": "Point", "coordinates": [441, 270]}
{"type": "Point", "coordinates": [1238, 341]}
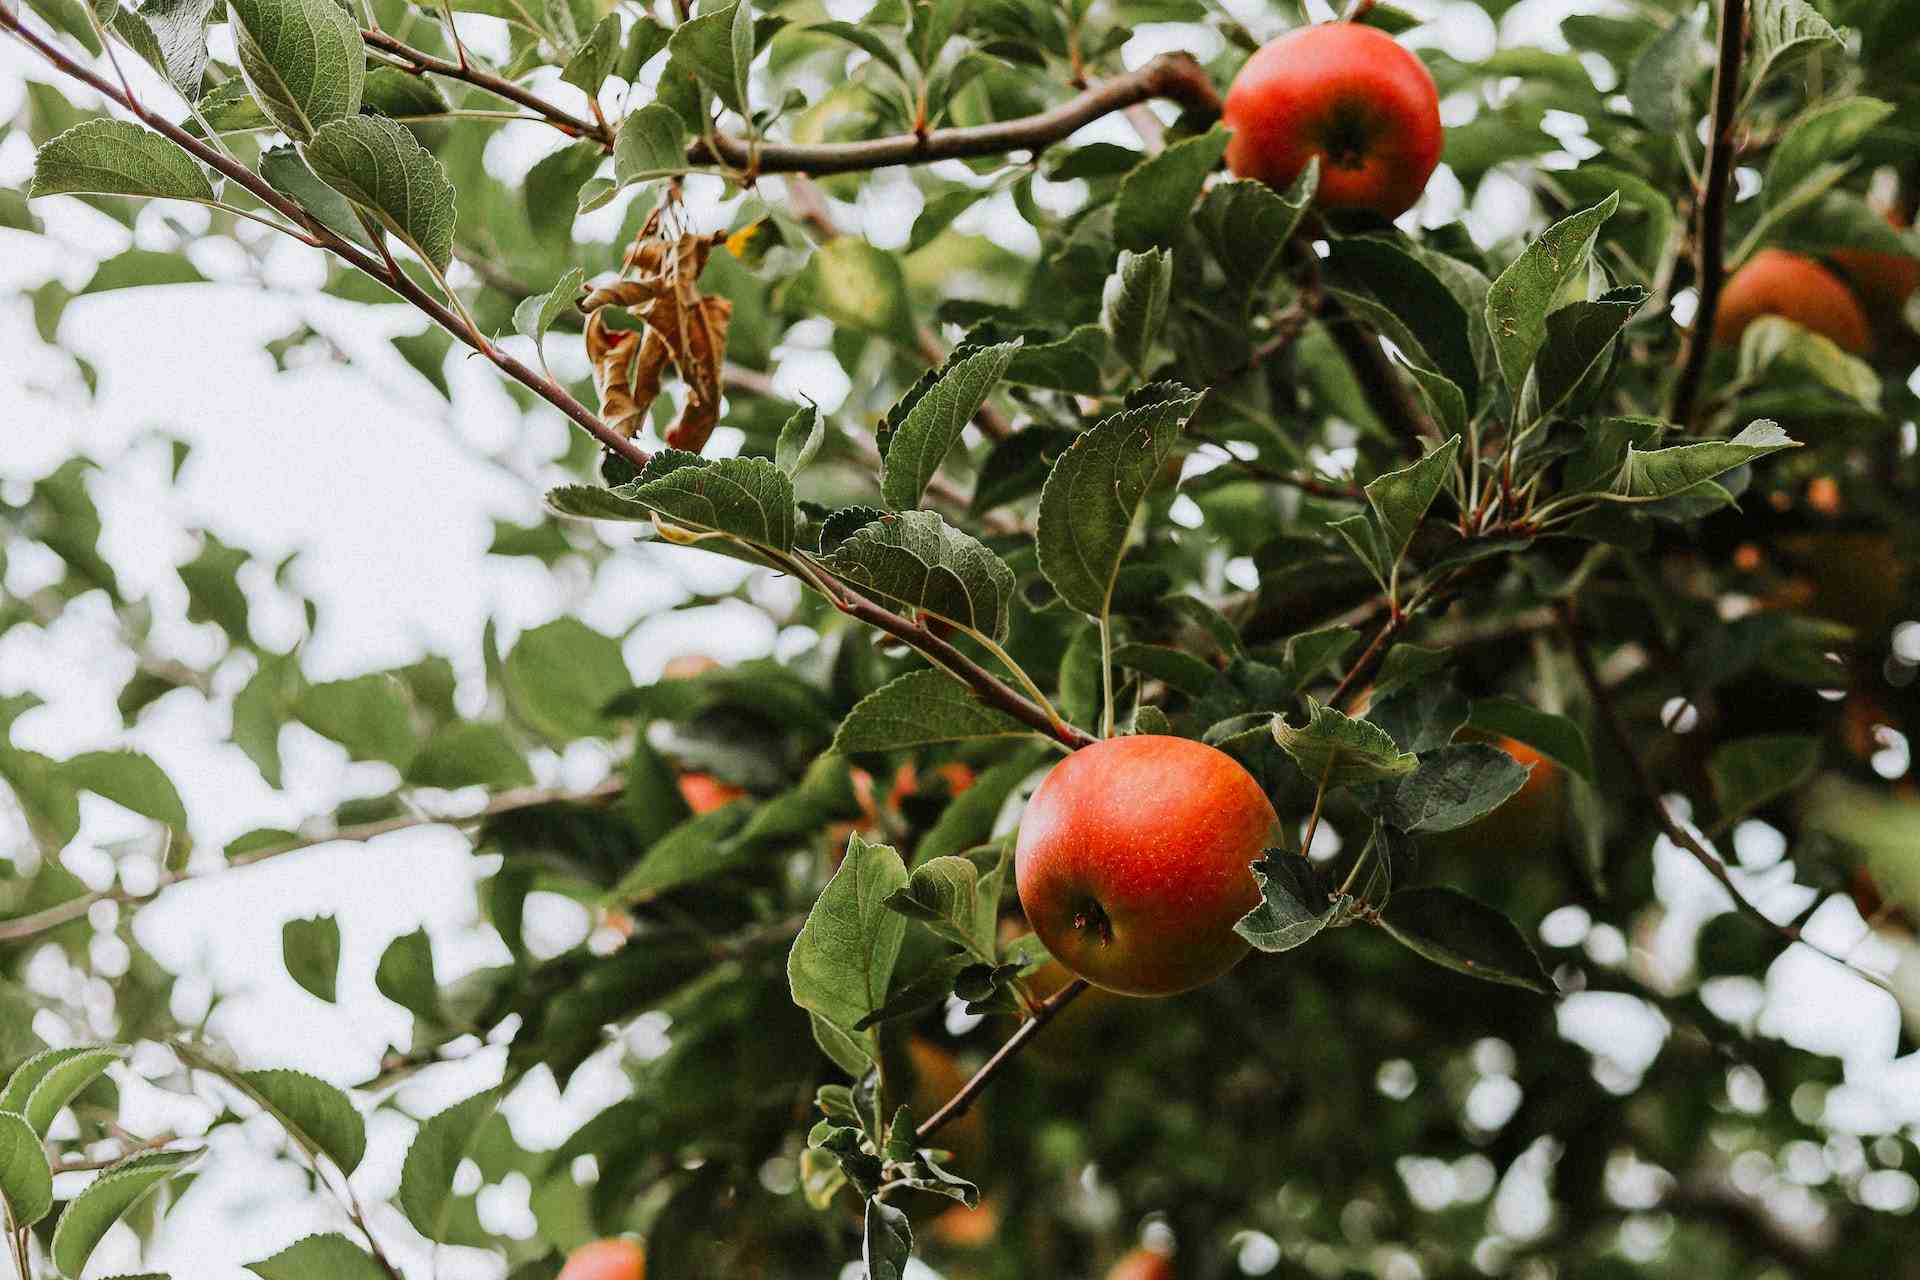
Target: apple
{"type": "Point", "coordinates": [964, 1228]}
{"type": "Point", "coordinates": [606, 1260]}
{"type": "Point", "coordinates": [1350, 95]}
{"type": "Point", "coordinates": [1775, 282]}
{"type": "Point", "coordinates": [1134, 862]}
{"type": "Point", "coordinates": [1530, 821]}
{"type": "Point", "coordinates": [1142, 1264]}
{"type": "Point", "coordinates": [704, 793]}
{"type": "Point", "coordinates": [1883, 280]}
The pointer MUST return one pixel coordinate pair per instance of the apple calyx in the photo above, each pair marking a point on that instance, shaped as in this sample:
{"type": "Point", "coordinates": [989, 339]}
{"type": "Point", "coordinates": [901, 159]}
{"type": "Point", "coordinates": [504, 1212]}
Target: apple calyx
{"type": "Point", "coordinates": [1091, 919]}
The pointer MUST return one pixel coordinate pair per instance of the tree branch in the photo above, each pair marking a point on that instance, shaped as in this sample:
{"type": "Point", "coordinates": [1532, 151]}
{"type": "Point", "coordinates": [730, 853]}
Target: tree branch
{"type": "Point", "coordinates": [1675, 832]}
{"type": "Point", "coordinates": [21, 928]}
{"type": "Point", "coordinates": [422, 63]}
{"type": "Point", "coordinates": [957, 1105]}
{"type": "Point", "coordinates": [1388, 393]}
{"type": "Point", "coordinates": [1175, 76]}
{"type": "Point", "coordinates": [1710, 231]}
{"type": "Point", "coordinates": [398, 281]}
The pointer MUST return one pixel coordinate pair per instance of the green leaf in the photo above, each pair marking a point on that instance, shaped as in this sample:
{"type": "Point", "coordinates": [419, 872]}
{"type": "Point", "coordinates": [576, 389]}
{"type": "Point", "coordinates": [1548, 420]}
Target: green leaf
{"type": "Point", "coordinates": [69, 16]}
{"type": "Point", "coordinates": [1071, 363]}
{"type": "Point", "coordinates": [405, 974]}
{"type": "Point", "coordinates": [749, 499]}
{"type": "Point", "coordinates": [1579, 336]}
{"type": "Point", "coordinates": [333, 1256]}
{"type": "Point", "coordinates": [887, 1242]}
{"type": "Point", "coordinates": [652, 143]}
{"type": "Point", "coordinates": [864, 39]}
{"type": "Point", "coordinates": [595, 60]}
{"type": "Point", "coordinates": [1093, 495]}
{"type": "Point", "coordinates": [1406, 298]}
{"type": "Point", "coordinates": [94, 1211]}
{"type": "Point", "coordinates": [1451, 929]}
{"type": "Point", "coordinates": [1340, 749]}
{"type": "Point", "coordinates": [1183, 671]}
{"type": "Point", "coordinates": [311, 951]}
{"type": "Point", "coordinates": [368, 715]}
{"type": "Point", "coordinates": [918, 559]}
{"type": "Point", "coordinates": [1817, 136]}
{"type": "Point", "coordinates": [919, 708]}
{"type": "Point", "coordinates": [1133, 305]}
{"type": "Point", "coordinates": [426, 1178]}
{"type": "Point", "coordinates": [1156, 199]}
{"type": "Point", "coordinates": [44, 1084]}
{"type": "Point", "coordinates": [1400, 498]}
{"type": "Point", "coordinates": [288, 174]}
{"type": "Point", "coordinates": [921, 440]}
{"type": "Point", "coordinates": [800, 439]}
{"type": "Point", "coordinates": [213, 588]}
{"type": "Point", "coordinates": [26, 1179]}
{"type": "Point", "coordinates": [303, 60]}
{"type": "Point", "coordinates": [318, 1118]}
{"type": "Point", "coordinates": [116, 158]}
{"type": "Point", "coordinates": [1749, 772]}
{"type": "Point", "coordinates": [1518, 302]}
{"type": "Point", "coordinates": [1661, 473]}
{"type": "Point", "coordinates": [132, 781]}
{"type": "Point", "coordinates": [469, 755]}
{"type": "Point", "coordinates": [260, 709]}
{"type": "Point", "coordinates": [855, 285]}
{"type": "Point", "coordinates": [381, 166]}
{"type": "Point", "coordinates": [1660, 82]}
{"type": "Point", "coordinates": [560, 677]}
{"type": "Point", "coordinates": [1247, 224]}
{"type": "Point", "coordinates": [535, 315]}
{"type": "Point", "coordinates": [741, 47]}
{"type": "Point", "coordinates": [1423, 716]}
{"type": "Point", "coordinates": [947, 895]}
{"type": "Point", "coordinates": [701, 847]}
{"type": "Point", "coordinates": [705, 45]}
{"type": "Point", "coordinates": [556, 189]}
{"type": "Point", "coordinates": [1771, 340]}
{"type": "Point", "coordinates": [1554, 736]}
{"type": "Point", "coordinates": [842, 962]}
{"type": "Point", "coordinates": [1455, 785]}
{"type": "Point", "coordinates": [1294, 905]}
{"type": "Point", "coordinates": [393, 92]}
{"type": "Point", "coordinates": [1783, 32]}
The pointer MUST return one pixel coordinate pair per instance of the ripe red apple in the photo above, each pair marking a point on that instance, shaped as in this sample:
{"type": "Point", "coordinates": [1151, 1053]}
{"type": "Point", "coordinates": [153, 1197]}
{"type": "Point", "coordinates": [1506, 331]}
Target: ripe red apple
{"type": "Point", "coordinates": [1775, 282]}
{"type": "Point", "coordinates": [606, 1260]}
{"type": "Point", "coordinates": [1134, 862]}
{"type": "Point", "coordinates": [1350, 95]}
{"type": "Point", "coordinates": [1883, 280]}
{"type": "Point", "coordinates": [1142, 1264]}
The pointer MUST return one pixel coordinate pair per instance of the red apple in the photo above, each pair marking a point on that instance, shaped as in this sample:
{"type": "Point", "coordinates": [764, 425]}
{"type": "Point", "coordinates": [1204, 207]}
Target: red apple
{"type": "Point", "coordinates": [1142, 1264]}
{"type": "Point", "coordinates": [606, 1260]}
{"type": "Point", "coordinates": [1774, 282]}
{"type": "Point", "coordinates": [1134, 862]}
{"type": "Point", "coordinates": [1884, 280]}
{"type": "Point", "coordinates": [1350, 95]}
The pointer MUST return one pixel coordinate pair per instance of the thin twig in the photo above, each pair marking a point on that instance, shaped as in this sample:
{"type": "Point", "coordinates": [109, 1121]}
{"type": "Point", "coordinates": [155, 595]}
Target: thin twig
{"type": "Point", "coordinates": [957, 1105]}
{"type": "Point", "coordinates": [421, 62]}
{"type": "Point", "coordinates": [1710, 267]}
{"type": "Point", "coordinates": [21, 928]}
{"type": "Point", "coordinates": [1674, 830]}
{"type": "Point", "coordinates": [1175, 76]}
{"type": "Point", "coordinates": [447, 318]}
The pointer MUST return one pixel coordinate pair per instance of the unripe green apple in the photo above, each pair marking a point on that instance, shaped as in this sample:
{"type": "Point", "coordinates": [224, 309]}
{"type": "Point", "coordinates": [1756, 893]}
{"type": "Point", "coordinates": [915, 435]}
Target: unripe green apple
{"type": "Point", "coordinates": [1134, 862]}
{"type": "Point", "coordinates": [606, 1260]}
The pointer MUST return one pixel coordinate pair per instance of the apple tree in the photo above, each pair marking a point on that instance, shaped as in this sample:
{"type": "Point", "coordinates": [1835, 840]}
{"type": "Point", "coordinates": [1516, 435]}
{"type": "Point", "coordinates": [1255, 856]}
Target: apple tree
{"type": "Point", "coordinates": [1482, 434]}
